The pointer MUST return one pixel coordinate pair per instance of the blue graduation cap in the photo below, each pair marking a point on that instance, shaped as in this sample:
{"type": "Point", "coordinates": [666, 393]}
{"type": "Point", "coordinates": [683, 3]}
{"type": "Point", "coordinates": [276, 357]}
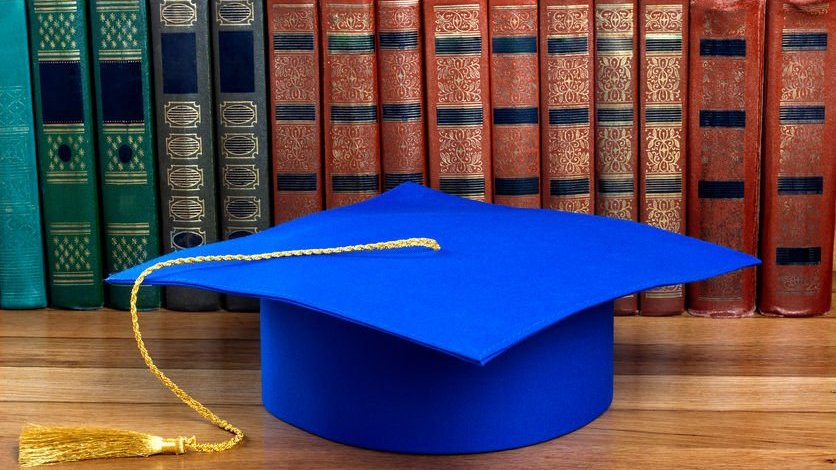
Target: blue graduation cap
{"type": "Point", "coordinates": [503, 338]}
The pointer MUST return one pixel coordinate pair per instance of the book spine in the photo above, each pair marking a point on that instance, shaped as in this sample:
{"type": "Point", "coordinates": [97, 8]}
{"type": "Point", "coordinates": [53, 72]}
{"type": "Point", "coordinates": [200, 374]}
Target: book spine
{"type": "Point", "coordinates": [458, 97]}
{"type": "Point", "coordinates": [293, 28]}
{"type": "Point", "coordinates": [567, 93]}
{"type": "Point", "coordinates": [726, 59]}
{"type": "Point", "coordinates": [21, 252]}
{"type": "Point", "coordinates": [127, 157]}
{"type": "Point", "coordinates": [617, 139]}
{"type": "Point", "coordinates": [66, 152]}
{"type": "Point", "coordinates": [400, 49]}
{"type": "Point", "coordinates": [515, 96]}
{"type": "Point", "coordinates": [350, 99]}
{"type": "Point", "coordinates": [185, 138]}
{"type": "Point", "coordinates": [241, 117]}
{"type": "Point", "coordinates": [663, 70]}
{"type": "Point", "coordinates": [798, 198]}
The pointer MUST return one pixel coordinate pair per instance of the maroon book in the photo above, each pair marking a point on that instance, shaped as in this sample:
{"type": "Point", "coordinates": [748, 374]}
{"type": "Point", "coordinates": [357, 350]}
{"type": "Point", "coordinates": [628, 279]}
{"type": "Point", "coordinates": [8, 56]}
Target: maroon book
{"type": "Point", "coordinates": [616, 109]}
{"type": "Point", "coordinates": [663, 94]}
{"type": "Point", "coordinates": [798, 191]}
{"type": "Point", "coordinates": [724, 134]}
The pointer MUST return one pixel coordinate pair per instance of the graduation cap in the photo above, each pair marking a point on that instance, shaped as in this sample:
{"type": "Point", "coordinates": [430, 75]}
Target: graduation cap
{"type": "Point", "coordinates": [501, 338]}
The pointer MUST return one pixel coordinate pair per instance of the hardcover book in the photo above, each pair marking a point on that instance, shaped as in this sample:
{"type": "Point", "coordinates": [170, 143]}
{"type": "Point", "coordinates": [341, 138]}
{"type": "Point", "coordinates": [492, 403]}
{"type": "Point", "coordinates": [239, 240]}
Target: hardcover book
{"type": "Point", "coordinates": [293, 29]}
{"type": "Point", "coordinates": [515, 96]}
{"type": "Point", "coordinates": [567, 82]}
{"type": "Point", "coordinates": [185, 137]}
{"type": "Point", "coordinates": [400, 50]}
{"type": "Point", "coordinates": [21, 250]}
{"type": "Point", "coordinates": [66, 152]}
{"type": "Point", "coordinates": [798, 197]}
{"type": "Point", "coordinates": [127, 157]}
{"type": "Point", "coordinates": [458, 97]}
{"type": "Point", "coordinates": [616, 106]}
{"type": "Point", "coordinates": [663, 91]}
{"type": "Point", "coordinates": [241, 117]}
{"type": "Point", "coordinates": [350, 98]}
{"type": "Point", "coordinates": [726, 78]}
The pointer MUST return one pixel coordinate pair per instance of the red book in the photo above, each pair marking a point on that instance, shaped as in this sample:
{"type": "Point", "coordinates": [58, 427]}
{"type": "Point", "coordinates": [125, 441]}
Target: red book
{"type": "Point", "coordinates": [458, 97]}
{"type": "Point", "coordinates": [663, 92]}
{"type": "Point", "coordinates": [350, 102]}
{"type": "Point", "coordinates": [567, 82]}
{"type": "Point", "coordinates": [798, 197]}
{"type": "Point", "coordinates": [617, 144]}
{"type": "Point", "coordinates": [515, 96]}
{"type": "Point", "coordinates": [296, 125]}
{"type": "Point", "coordinates": [726, 78]}
{"type": "Point", "coordinates": [400, 51]}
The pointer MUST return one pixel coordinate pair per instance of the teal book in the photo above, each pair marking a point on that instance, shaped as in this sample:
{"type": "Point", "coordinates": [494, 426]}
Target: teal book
{"type": "Point", "coordinates": [21, 244]}
{"type": "Point", "coordinates": [66, 152]}
{"type": "Point", "coordinates": [125, 135]}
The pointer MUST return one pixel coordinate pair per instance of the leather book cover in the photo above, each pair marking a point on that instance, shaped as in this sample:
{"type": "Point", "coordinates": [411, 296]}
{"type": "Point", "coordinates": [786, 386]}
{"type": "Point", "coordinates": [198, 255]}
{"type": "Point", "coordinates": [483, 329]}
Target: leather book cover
{"type": "Point", "coordinates": [241, 117]}
{"type": "Point", "coordinates": [294, 75]}
{"type": "Point", "coordinates": [63, 93]}
{"type": "Point", "coordinates": [350, 99]}
{"type": "Point", "coordinates": [458, 97]}
{"type": "Point", "coordinates": [515, 96]}
{"type": "Point", "coordinates": [400, 49]}
{"type": "Point", "coordinates": [663, 94]}
{"type": "Point", "coordinates": [567, 97]}
{"type": "Point", "coordinates": [127, 154]}
{"type": "Point", "coordinates": [800, 122]}
{"type": "Point", "coordinates": [617, 120]}
{"type": "Point", "coordinates": [21, 245]}
{"type": "Point", "coordinates": [724, 135]}
{"type": "Point", "coordinates": [185, 136]}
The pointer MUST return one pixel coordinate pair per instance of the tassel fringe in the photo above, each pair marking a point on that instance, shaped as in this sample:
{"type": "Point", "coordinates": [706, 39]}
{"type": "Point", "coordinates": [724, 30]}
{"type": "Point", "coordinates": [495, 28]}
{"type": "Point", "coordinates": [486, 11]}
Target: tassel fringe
{"type": "Point", "coordinates": [41, 445]}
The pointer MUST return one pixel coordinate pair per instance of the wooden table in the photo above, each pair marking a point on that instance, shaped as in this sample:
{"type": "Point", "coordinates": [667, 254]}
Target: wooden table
{"type": "Point", "coordinates": [689, 393]}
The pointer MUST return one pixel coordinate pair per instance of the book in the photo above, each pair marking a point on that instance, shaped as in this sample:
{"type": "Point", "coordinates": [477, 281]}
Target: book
{"type": "Point", "coordinates": [798, 167]}
{"type": "Point", "coordinates": [64, 122]}
{"type": "Point", "coordinates": [663, 94]}
{"type": "Point", "coordinates": [294, 71]}
{"type": "Point", "coordinates": [241, 119]}
{"type": "Point", "coordinates": [515, 96]}
{"type": "Point", "coordinates": [350, 99]}
{"type": "Point", "coordinates": [21, 252]}
{"type": "Point", "coordinates": [616, 106]}
{"type": "Point", "coordinates": [400, 49]}
{"type": "Point", "coordinates": [125, 134]}
{"type": "Point", "coordinates": [725, 80]}
{"type": "Point", "coordinates": [458, 97]}
{"type": "Point", "coordinates": [185, 135]}
{"type": "Point", "coordinates": [567, 80]}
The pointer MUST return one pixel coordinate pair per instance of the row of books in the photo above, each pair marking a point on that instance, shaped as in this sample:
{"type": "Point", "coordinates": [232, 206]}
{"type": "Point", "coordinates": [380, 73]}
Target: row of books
{"type": "Point", "coordinates": [636, 110]}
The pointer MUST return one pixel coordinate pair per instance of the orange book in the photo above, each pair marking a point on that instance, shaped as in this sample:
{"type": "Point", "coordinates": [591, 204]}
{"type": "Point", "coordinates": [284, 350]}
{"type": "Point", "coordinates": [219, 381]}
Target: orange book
{"type": "Point", "coordinates": [458, 97]}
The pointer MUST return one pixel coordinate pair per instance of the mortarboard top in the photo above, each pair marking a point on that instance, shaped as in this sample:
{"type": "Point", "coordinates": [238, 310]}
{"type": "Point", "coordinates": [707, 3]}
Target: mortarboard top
{"type": "Point", "coordinates": [501, 339]}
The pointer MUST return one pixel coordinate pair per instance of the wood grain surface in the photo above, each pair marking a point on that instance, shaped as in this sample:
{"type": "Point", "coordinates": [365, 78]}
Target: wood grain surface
{"type": "Point", "coordinates": [689, 393]}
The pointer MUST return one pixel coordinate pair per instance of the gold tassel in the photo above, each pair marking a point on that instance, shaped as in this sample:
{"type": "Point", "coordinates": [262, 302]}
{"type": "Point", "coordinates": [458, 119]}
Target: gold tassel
{"type": "Point", "coordinates": [41, 445]}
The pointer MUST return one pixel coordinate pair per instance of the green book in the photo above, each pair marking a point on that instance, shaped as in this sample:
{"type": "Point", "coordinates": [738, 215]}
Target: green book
{"type": "Point", "coordinates": [66, 152]}
{"type": "Point", "coordinates": [21, 244]}
{"type": "Point", "coordinates": [126, 142]}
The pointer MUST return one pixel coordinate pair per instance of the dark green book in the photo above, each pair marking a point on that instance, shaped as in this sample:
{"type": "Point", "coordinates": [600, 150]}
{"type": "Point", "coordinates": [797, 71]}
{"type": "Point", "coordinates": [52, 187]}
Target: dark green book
{"type": "Point", "coordinates": [66, 151]}
{"type": "Point", "coordinates": [185, 135]}
{"type": "Point", "coordinates": [21, 244]}
{"type": "Point", "coordinates": [126, 142]}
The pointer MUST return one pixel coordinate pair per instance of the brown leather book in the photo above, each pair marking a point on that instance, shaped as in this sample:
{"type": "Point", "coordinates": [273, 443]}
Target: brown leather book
{"type": "Point", "coordinates": [798, 197]}
{"type": "Point", "coordinates": [724, 134]}
{"type": "Point", "coordinates": [458, 97]}
{"type": "Point", "coordinates": [617, 122]}
{"type": "Point", "coordinates": [663, 95]}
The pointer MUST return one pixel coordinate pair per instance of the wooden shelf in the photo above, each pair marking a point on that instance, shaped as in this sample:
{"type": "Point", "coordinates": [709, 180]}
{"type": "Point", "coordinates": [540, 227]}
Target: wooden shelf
{"type": "Point", "coordinates": [689, 392]}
